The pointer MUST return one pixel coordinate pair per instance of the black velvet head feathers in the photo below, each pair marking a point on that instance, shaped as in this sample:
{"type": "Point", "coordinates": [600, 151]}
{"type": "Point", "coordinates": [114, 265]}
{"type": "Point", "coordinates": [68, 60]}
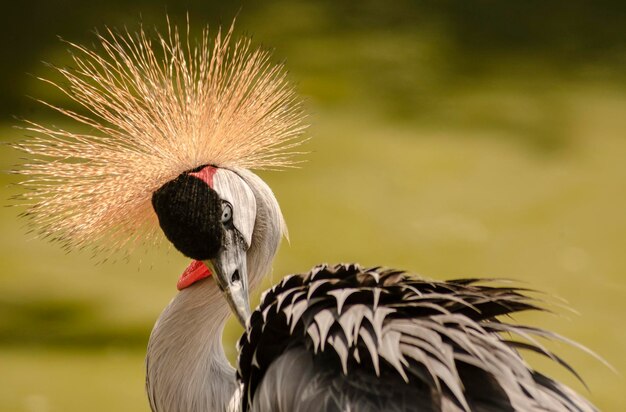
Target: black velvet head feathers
{"type": "Point", "coordinates": [189, 213]}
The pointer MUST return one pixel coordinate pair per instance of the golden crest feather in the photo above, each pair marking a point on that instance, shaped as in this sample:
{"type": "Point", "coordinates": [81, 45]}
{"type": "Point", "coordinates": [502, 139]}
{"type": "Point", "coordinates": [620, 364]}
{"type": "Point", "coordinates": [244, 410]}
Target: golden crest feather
{"type": "Point", "coordinates": [156, 108]}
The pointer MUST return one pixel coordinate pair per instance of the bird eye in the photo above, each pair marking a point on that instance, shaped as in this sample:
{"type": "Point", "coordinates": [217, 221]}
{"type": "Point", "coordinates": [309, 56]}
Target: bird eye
{"type": "Point", "coordinates": [227, 212]}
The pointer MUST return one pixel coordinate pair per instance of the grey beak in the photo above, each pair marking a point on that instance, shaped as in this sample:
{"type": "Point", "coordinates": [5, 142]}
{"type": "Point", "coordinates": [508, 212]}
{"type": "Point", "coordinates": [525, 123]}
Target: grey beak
{"type": "Point", "coordinates": [231, 273]}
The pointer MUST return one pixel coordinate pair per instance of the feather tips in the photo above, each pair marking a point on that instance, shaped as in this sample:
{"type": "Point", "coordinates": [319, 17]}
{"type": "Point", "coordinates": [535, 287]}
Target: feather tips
{"type": "Point", "coordinates": [153, 108]}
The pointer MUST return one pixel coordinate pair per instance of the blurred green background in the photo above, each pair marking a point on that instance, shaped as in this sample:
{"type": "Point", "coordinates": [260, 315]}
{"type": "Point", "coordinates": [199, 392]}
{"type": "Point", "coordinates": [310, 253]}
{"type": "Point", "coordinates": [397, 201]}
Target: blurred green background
{"type": "Point", "coordinates": [450, 138]}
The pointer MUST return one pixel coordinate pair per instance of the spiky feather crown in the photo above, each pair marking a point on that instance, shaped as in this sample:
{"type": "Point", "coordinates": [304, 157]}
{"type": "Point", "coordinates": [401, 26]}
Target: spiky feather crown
{"type": "Point", "coordinates": [157, 107]}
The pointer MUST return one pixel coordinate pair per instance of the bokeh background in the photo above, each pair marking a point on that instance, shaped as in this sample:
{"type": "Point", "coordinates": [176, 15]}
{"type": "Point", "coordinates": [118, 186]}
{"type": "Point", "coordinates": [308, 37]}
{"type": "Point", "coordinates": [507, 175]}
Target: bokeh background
{"type": "Point", "coordinates": [450, 138]}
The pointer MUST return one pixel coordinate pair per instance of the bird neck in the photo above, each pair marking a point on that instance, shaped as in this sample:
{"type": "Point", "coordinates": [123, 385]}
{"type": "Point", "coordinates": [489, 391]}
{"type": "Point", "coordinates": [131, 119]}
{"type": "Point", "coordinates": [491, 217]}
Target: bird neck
{"type": "Point", "coordinates": [187, 369]}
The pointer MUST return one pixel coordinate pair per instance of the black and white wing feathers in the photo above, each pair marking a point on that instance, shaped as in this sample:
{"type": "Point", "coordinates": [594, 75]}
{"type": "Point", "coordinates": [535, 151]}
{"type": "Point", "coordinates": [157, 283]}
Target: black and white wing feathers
{"type": "Point", "coordinates": [345, 338]}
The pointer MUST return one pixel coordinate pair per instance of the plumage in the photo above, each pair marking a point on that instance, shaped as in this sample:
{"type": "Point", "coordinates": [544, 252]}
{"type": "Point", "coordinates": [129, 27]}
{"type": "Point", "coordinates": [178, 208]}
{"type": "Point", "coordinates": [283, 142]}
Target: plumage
{"type": "Point", "coordinates": [357, 339]}
{"type": "Point", "coordinates": [177, 126]}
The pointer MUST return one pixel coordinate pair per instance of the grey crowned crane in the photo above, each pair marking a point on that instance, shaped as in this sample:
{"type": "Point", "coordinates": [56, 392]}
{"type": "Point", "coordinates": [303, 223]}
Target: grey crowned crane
{"type": "Point", "coordinates": [175, 128]}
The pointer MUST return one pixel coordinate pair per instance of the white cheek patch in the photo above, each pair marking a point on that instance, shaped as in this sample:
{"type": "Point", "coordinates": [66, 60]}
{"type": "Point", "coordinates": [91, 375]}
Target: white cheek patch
{"type": "Point", "coordinates": [233, 189]}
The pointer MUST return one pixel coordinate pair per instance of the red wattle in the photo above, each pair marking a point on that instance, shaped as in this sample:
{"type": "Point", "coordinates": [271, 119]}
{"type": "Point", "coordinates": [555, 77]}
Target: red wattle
{"type": "Point", "coordinates": [196, 271]}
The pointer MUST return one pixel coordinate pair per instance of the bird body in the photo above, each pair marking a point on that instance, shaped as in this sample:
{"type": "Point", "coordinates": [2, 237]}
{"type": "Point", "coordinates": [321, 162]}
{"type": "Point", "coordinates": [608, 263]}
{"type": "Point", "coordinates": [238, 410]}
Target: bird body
{"type": "Point", "coordinates": [346, 338]}
{"type": "Point", "coordinates": [339, 338]}
{"type": "Point", "coordinates": [176, 130]}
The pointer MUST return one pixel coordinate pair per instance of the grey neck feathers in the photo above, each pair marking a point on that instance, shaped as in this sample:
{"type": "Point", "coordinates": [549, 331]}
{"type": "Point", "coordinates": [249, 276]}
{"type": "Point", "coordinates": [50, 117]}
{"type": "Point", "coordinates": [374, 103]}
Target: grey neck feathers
{"type": "Point", "coordinates": [186, 366]}
{"type": "Point", "coordinates": [187, 370]}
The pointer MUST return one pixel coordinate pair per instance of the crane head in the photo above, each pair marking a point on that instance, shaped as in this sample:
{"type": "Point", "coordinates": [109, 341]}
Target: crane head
{"type": "Point", "coordinates": [209, 215]}
{"type": "Point", "coordinates": [161, 105]}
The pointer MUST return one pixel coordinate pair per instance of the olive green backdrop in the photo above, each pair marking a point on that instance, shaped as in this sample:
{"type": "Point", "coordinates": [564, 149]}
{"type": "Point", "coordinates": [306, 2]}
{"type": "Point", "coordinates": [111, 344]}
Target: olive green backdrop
{"type": "Point", "coordinates": [449, 138]}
